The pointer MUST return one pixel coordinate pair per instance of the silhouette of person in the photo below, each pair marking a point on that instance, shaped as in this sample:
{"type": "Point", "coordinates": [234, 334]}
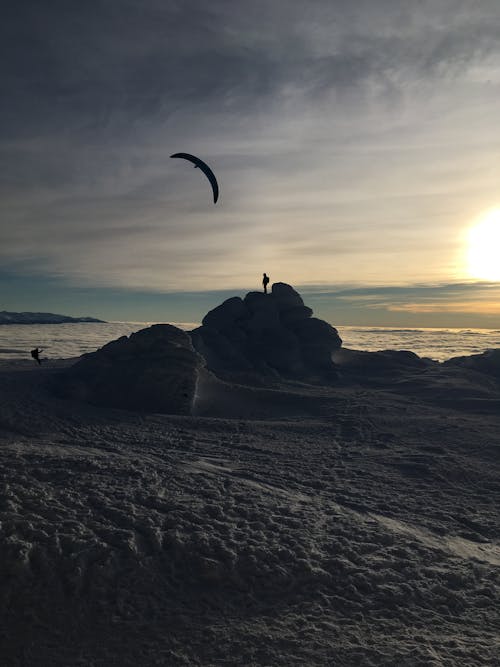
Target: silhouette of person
{"type": "Point", "coordinates": [265, 281]}
{"type": "Point", "coordinates": [36, 354]}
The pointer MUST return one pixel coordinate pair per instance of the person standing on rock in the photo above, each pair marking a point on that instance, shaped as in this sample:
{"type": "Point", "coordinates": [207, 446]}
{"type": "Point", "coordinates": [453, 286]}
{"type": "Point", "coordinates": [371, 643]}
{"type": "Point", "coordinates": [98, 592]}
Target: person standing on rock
{"type": "Point", "coordinates": [265, 282]}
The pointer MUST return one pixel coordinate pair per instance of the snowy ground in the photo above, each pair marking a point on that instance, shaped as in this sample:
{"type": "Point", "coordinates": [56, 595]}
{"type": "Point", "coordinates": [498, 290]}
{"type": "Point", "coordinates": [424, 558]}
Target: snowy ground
{"type": "Point", "coordinates": [317, 526]}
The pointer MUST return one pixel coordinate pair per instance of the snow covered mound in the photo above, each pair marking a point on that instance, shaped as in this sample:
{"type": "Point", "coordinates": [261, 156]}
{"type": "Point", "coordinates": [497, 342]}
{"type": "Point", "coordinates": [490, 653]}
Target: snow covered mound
{"type": "Point", "coordinates": [386, 364]}
{"type": "Point", "coordinates": [463, 382]}
{"type": "Point", "coordinates": [268, 334]}
{"type": "Point", "coordinates": [154, 370]}
{"type": "Point", "coordinates": [488, 362]}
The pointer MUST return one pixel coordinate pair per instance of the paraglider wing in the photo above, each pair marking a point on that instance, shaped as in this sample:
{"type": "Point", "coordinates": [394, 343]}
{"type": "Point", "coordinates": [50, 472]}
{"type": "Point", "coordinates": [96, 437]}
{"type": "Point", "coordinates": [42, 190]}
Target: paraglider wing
{"type": "Point", "coordinates": [205, 169]}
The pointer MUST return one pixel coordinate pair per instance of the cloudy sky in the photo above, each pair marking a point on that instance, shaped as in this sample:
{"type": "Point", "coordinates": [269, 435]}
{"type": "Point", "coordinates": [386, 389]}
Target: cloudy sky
{"type": "Point", "coordinates": [356, 145]}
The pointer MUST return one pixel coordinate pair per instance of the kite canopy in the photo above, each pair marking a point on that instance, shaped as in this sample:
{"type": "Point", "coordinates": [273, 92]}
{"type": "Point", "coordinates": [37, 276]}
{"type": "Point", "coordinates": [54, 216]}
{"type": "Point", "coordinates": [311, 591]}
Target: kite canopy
{"type": "Point", "coordinates": [205, 169]}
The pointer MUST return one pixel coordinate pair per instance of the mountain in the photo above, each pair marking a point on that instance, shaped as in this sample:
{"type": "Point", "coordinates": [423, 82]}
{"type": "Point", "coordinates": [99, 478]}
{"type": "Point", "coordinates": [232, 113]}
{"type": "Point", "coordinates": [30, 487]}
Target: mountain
{"type": "Point", "coordinates": [41, 318]}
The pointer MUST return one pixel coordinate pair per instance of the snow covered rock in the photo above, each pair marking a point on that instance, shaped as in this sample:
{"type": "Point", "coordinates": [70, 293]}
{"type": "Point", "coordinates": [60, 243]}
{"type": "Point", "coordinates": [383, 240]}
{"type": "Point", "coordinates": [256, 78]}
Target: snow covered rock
{"type": "Point", "coordinates": [267, 334]}
{"type": "Point", "coordinates": [220, 351]}
{"type": "Point", "coordinates": [318, 340]}
{"type": "Point", "coordinates": [225, 315]}
{"type": "Point", "coordinates": [295, 314]}
{"type": "Point", "coordinates": [154, 370]}
{"type": "Point", "coordinates": [285, 296]}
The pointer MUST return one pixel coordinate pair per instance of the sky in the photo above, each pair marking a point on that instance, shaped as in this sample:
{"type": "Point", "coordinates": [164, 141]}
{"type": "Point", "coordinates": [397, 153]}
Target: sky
{"type": "Point", "coordinates": [356, 147]}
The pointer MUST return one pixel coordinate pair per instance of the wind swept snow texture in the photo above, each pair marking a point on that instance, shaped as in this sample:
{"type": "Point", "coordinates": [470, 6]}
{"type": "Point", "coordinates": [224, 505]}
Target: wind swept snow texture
{"type": "Point", "coordinates": [364, 534]}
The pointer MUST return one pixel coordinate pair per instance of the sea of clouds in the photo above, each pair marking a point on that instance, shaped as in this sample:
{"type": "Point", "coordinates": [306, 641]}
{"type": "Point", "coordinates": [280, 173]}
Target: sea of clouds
{"type": "Point", "coordinates": [438, 344]}
{"type": "Point", "coordinates": [71, 340]}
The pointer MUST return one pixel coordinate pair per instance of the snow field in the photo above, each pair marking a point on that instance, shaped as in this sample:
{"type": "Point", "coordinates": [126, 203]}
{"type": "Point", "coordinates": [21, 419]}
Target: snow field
{"type": "Point", "coordinates": [367, 536]}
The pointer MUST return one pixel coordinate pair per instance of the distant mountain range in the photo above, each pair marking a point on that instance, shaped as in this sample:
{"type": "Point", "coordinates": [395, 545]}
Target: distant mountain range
{"type": "Point", "coordinates": [41, 318]}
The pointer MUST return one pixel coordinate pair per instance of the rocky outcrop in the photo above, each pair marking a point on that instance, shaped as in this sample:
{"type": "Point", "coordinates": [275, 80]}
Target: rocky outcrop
{"type": "Point", "coordinates": [267, 334]}
{"type": "Point", "coordinates": [154, 370]}
{"type": "Point", "coordinates": [260, 337]}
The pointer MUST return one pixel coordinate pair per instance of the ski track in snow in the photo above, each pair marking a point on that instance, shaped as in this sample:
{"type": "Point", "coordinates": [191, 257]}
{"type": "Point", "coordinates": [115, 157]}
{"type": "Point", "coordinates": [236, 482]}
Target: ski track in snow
{"type": "Point", "coordinates": [367, 535]}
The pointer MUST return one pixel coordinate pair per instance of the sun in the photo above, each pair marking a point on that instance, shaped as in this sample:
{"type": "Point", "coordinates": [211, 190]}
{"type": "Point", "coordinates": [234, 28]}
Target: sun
{"type": "Point", "coordinates": [483, 252]}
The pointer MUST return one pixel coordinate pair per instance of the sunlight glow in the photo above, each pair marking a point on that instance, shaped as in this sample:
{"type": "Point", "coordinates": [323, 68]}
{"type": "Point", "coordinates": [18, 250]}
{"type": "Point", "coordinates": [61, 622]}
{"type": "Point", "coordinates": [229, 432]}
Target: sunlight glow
{"type": "Point", "coordinates": [484, 247]}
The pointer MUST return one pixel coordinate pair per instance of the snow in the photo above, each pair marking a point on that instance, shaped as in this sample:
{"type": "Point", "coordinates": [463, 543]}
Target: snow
{"type": "Point", "coordinates": [342, 525]}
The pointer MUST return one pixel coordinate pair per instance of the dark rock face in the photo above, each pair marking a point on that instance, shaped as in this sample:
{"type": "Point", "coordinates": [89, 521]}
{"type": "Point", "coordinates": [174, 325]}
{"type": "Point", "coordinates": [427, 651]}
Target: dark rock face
{"type": "Point", "coordinates": [226, 314]}
{"type": "Point", "coordinates": [268, 334]}
{"type": "Point", "coordinates": [286, 297]}
{"type": "Point", "coordinates": [154, 370]}
{"type": "Point", "coordinates": [295, 314]}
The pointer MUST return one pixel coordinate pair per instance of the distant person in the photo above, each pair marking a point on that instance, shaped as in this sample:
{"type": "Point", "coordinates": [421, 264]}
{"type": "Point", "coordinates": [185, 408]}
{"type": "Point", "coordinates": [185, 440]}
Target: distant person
{"type": "Point", "coordinates": [36, 354]}
{"type": "Point", "coordinates": [265, 282]}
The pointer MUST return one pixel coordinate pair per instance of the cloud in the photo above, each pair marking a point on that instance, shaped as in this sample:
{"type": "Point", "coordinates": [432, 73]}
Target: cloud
{"type": "Point", "coordinates": [476, 307]}
{"type": "Point", "coordinates": [446, 304]}
{"type": "Point", "coordinates": [349, 141]}
{"type": "Point", "coordinates": [148, 60]}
